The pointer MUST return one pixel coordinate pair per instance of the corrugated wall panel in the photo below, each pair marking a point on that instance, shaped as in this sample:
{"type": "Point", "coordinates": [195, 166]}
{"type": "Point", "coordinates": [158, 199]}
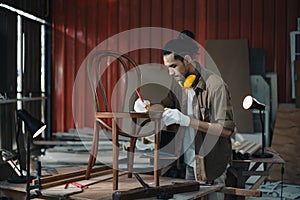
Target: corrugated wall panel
{"type": "Point", "coordinates": [69, 61]}
{"type": "Point", "coordinates": [189, 15]}
{"type": "Point", "coordinates": [234, 19]}
{"type": "Point", "coordinates": [223, 19]}
{"type": "Point", "coordinates": [268, 30]}
{"type": "Point", "coordinates": [58, 65]}
{"type": "Point", "coordinates": [281, 39]}
{"type": "Point", "coordinates": [134, 23]}
{"type": "Point", "coordinates": [200, 19]}
{"type": "Point", "coordinates": [246, 15]}
{"type": "Point", "coordinates": [266, 24]}
{"type": "Point", "coordinates": [145, 17]}
{"type": "Point", "coordinates": [257, 27]}
{"type": "Point", "coordinates": [102, 26]}
{"type": "Point", "coordinates": [178, 19]}
{"type": "Point", "coordinates": [211, 19]}
{"type": "Point", "coordinates": [92, 35]}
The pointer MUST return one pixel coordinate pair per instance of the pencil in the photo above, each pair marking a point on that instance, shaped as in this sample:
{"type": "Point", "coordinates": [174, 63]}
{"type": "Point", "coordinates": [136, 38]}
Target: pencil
{"type": "Point", "coordinates": [139, 94]}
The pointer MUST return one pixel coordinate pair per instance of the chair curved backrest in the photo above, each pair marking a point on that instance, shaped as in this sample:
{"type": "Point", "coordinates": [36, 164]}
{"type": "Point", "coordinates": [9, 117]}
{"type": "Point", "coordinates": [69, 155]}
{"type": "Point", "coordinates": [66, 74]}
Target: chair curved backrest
{"type": "Point", "coordinates": [94, 66]}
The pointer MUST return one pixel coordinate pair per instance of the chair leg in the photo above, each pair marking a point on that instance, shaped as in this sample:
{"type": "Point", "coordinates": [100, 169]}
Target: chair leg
{"type": "Point", "coordinates": [94, 150]}
{"type": "Point", "coordinates": [115, 152]}
{"type": "Point", "coordinates": [156, 152]}
{"type": "Point", "coordinates": [131, 156]}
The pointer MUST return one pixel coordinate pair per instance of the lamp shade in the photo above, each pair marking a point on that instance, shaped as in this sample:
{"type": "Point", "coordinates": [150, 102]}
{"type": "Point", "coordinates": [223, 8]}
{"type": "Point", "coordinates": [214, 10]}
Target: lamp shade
{"type": "Point", "coordinates": [35, 127]}
{"type": "Point", "coordinates": [251, 103]}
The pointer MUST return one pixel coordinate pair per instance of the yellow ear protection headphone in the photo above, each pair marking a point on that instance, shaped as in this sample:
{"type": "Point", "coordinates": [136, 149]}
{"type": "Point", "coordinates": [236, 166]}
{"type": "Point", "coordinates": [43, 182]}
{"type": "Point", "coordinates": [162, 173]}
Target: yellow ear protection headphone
{"type": "Point", "coordinates": [190, 81]}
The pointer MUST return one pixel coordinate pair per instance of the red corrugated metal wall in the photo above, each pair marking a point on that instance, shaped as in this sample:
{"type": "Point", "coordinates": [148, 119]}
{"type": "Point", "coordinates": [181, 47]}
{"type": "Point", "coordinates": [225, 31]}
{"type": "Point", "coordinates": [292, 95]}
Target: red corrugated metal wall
{"type": "Point", "coordinates": [78, 26]}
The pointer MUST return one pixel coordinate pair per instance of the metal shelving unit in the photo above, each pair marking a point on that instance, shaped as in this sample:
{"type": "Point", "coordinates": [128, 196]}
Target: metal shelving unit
{"type": "Point", "coordinates": [295, 55]}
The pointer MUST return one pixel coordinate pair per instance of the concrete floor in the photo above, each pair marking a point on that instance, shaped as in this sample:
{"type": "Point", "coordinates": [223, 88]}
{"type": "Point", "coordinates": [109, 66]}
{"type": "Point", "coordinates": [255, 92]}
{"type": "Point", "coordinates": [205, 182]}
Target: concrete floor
{"type": "Point", "coordinates": [272, 191]}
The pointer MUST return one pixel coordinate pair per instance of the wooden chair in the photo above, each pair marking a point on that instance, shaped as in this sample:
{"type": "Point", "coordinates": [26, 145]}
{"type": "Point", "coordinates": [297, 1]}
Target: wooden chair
{"type": "Point", "coordinates": [101, 105]}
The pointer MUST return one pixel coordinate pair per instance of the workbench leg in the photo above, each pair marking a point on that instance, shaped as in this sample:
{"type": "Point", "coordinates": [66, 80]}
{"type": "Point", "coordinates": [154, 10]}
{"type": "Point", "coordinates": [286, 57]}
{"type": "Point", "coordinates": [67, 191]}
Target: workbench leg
{"type": "Point", "coordinates": [262, 178]}
{"type": "Point", "coordinates": [236, 179]}
{"type": "Point", "coordinates": [230, 182]}
{"type": "Point", "coordinates": [241, 180]}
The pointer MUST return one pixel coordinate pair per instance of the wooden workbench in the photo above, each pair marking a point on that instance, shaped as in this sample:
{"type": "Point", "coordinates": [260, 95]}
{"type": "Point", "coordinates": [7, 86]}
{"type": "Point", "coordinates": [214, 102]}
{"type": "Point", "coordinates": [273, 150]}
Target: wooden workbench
{"type": "Point", "coordinates": [240, 171]}
{"type": "Point", "coordinates": [101, 190]}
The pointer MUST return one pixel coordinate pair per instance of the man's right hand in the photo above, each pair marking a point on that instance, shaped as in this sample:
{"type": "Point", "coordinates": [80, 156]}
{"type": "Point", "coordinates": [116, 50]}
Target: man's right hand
{"type": "Point", "coordinates": [140, 106]}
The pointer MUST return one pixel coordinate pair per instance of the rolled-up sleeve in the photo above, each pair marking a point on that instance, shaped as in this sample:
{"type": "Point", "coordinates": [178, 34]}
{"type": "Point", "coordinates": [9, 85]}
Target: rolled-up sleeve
{"type": "Point", "coordinates": [222, 109]}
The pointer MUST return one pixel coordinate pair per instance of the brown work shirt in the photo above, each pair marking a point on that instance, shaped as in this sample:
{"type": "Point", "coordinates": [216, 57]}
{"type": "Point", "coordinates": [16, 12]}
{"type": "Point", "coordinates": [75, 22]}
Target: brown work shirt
{"type": "Point", "coordinates": [211, 103]}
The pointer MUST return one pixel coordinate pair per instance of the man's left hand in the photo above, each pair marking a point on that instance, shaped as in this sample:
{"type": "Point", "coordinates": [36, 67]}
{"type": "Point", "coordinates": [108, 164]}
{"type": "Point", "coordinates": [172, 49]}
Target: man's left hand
{"type": "Point", "coordinates": [174, 116]}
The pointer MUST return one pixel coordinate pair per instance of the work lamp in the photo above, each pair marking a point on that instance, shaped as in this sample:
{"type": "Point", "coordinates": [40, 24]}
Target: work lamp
{"type": "Point", "coordinates": [35, 127]}
{"type": "Point", "coordinates": [251, 103]}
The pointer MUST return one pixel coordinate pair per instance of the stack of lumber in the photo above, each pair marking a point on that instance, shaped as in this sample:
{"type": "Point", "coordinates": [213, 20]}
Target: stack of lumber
{"type": "Point", "coordinates": [244, 150]}
{"type": "Point", "coordinates": [286, 139]}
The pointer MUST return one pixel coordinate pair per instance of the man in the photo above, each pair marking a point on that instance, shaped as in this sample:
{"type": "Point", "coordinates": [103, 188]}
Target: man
{"type": "Point", "coordinates": [201, 108]}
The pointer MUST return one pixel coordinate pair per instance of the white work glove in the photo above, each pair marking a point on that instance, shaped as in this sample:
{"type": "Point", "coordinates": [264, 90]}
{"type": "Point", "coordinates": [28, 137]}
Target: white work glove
{"type": "Point", "coordinates": [174, 116]}
{"type": "Point", "coordinates": [140, 106]}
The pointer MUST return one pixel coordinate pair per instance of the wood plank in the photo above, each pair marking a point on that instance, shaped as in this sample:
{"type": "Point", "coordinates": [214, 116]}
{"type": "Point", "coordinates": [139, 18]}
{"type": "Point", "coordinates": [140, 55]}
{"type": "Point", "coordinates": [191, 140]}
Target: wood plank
{"type": "Point", "coordinates": [127, 183]}
{"type": "Point", "coordinates": [231, 58]}
{"type": "Point", "coordinates": [60, 191]}
{"type": "Point", "coordinates": [68, 175]}
{"type": "Point", "coordinates": [286, 139]}
{"type": "Point", "coordinates": [241, 192]}
{"type": "Point", "coordinates": [276, 159]}
{"type": "Point", "coordinates": [201, 194]}
{"type": "Point", "coordinates": [154, 191]}
{"type": "Point", "coordinates": [74, 179]}
{"type": "Point", "coordinates": [152, 115]}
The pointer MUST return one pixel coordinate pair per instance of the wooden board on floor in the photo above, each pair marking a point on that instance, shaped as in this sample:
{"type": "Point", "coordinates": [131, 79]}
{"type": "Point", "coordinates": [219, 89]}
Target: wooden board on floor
{"type": "Point", "coordinates": [286, 140]}
{"type": "Point", "coordinates": [102, 190]}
